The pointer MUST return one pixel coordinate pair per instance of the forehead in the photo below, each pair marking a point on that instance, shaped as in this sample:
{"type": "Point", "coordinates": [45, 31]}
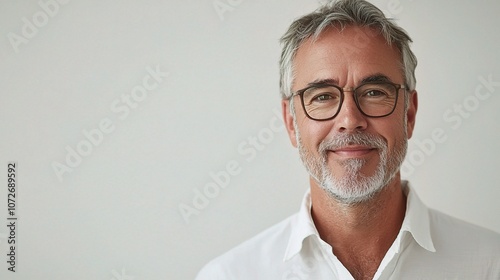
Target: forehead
{"type": "Point", "coordinates": [346, 56]}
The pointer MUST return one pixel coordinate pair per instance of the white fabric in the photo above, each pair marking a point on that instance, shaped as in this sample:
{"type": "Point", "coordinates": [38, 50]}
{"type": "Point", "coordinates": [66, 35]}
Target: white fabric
{"type": "Point", "coordinates": [430, 245]}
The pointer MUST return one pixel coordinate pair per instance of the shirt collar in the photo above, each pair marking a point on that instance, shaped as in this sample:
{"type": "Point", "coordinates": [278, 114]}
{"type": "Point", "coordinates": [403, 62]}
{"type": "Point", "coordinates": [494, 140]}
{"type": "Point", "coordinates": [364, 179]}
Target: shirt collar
{"type": "Point", "coordinates": [416, 222]}
{"type": "Point", "coordinates": [302, 226]}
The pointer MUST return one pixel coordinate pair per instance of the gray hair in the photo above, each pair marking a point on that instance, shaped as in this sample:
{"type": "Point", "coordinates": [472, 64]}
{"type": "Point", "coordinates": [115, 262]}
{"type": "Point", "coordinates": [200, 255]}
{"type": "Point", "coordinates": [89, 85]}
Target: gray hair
{"type": "Point", "coordinates": [343, 13]}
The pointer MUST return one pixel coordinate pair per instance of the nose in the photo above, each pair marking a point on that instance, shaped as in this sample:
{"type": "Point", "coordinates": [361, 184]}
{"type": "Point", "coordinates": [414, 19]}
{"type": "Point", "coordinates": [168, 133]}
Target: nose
{"type": "Point", "coordinates": [350, 119]}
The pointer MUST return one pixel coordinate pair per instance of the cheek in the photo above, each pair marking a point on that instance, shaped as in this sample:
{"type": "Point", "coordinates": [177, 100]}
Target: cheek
{"type": "Point", "coordinates": [312, 132]}
{"type": "Point", "coordinates": [396, 133]}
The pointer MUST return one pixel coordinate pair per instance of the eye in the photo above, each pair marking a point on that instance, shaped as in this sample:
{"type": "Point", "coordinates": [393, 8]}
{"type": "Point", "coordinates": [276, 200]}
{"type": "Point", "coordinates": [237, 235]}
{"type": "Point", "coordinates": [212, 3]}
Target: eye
{"type": "Point", "coordinates": [323, 97]}
{"type": "Point", "coordinates": [373, 93]}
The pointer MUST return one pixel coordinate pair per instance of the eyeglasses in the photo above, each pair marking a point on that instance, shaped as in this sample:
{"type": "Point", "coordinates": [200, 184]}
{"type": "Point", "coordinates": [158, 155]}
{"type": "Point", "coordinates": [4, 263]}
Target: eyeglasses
{"type": "Point", "coordinates": [375, 99]}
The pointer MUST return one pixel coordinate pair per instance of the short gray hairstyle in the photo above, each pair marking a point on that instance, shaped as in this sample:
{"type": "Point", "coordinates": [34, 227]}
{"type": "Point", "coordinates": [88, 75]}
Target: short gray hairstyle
{"type": "Point", "coordinates": [341, 14]}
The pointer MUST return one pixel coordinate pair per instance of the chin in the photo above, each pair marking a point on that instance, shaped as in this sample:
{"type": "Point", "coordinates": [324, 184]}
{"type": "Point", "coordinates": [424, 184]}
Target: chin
{"type": "Point", "coordinates": [353, 186]}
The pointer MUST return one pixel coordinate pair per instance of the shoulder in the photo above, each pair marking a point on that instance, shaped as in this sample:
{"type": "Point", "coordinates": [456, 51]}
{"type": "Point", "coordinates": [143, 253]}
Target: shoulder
{"type": "Point", "coordinates": [452, 234]}
{"type": "Point", "coordinates": [252, 256]}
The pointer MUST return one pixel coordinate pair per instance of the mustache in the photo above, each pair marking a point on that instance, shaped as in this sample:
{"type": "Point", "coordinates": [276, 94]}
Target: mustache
{"type": "Point", "coordinates": [339, 141]}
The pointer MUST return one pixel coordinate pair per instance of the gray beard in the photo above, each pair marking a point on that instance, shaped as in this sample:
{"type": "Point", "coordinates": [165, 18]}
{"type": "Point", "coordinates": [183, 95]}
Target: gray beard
{"type": "Point", "coordinates": [353, 187]}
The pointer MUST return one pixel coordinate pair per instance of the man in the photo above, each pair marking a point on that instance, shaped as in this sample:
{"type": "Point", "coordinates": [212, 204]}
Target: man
{"type": "Point", "coordinates": [349, 106]}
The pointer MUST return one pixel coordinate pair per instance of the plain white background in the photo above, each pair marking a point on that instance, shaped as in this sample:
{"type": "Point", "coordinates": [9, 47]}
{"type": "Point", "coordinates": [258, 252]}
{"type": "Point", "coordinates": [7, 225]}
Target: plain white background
{"type": "Point", "coordinates": [67, 69]}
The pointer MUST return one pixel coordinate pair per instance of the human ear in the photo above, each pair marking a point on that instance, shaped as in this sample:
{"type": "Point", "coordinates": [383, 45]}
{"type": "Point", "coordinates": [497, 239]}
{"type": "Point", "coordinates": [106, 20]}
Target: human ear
{"type": "Point", "coordinates": [288, 119]}
{"type": "Point", "coordinates": [411, 113]}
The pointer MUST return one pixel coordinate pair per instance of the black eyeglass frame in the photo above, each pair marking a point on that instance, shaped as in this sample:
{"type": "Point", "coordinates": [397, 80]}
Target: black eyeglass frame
{"type": "Point", "coordinates": [300, 92]}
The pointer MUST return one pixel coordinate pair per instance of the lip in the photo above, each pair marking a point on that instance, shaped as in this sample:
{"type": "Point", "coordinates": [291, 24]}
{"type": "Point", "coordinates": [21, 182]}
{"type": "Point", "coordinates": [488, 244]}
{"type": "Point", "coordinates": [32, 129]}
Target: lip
{"type": "Point", "coordinates": [353, 151]}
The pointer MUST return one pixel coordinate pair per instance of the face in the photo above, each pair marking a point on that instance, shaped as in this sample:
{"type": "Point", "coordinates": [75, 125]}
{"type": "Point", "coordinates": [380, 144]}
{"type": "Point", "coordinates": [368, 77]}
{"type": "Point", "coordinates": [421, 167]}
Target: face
{"type": "Point", "coordinates": [352, 157]}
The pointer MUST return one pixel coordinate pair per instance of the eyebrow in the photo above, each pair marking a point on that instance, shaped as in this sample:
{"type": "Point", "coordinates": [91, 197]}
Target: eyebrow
{"type": "Point", "coordinates": [378, 77]}
{"type": "Point", "coordinates": [322, 82]}
{"type": "Point", "coordinates": [317, 83]}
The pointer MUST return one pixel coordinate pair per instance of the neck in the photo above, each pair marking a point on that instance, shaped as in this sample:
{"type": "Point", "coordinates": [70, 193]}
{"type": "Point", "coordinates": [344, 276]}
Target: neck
{"type": "Point", "coordinates": [360, 234]}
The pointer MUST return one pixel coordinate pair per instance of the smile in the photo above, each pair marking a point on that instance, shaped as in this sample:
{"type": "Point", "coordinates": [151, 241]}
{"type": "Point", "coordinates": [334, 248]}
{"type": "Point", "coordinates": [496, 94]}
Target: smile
{"type": "Point", "coordinates": [353, 151]}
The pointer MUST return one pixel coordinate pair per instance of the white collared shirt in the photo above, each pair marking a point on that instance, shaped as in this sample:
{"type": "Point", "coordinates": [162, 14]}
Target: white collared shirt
{"type": "Point", "coordinates": [430, 245]}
